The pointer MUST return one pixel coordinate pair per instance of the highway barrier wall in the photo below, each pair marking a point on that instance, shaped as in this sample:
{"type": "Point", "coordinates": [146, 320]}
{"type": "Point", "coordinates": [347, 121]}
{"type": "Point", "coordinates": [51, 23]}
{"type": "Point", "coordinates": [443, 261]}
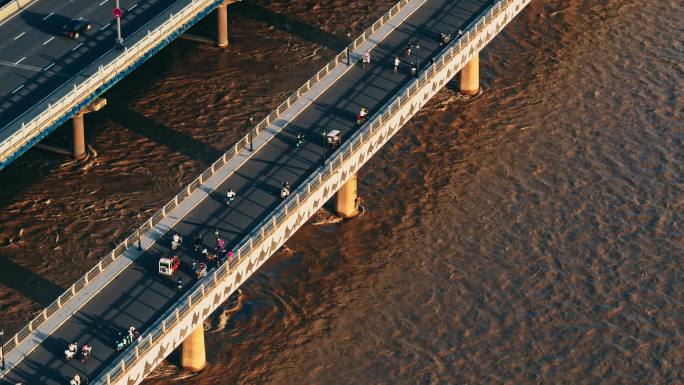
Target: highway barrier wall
{"type": "Point", "coordinates": [13, 7]}
{"type": "Point", "coordinates": [209, 293]}
{"type": "Point", "coordinates": [150, 223]}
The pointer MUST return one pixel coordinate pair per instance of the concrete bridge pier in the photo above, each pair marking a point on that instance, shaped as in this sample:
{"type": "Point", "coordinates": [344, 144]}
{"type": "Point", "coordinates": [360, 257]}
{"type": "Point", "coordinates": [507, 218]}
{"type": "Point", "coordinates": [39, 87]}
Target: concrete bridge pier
{"type": "Point", "coordinates": [78, 126]}
{"type": "Point", "coordinates": [78, 148]}
{"type": "Point", "coordinates": [193, 356]}
{"type": "Point", "coordinates": [222, 15]}
{"type": "Point", "coordinates": [470, 76]}
{"type": "Point", "coordinates": [347, 200]}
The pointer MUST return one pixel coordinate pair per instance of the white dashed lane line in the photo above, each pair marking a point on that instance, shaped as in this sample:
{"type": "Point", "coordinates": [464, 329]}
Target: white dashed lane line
{"type": "Point", "coordinates": [105, 27]}
{"type": "Point", "coordinates": [103, 3]}
{"type": "Point", "coordinates": [20, 35]}
{"type": "Point", "coordinates": [75, 48]}
{"type": "Point", "coordinates": [20, 60]}
{"type": "Point", "coordinates": [18, 88]}
{"type": "Point", "coordinates": [48, 67]}
{"type": "Point", "coordinates": [45, 18]}
{"type": "Point", "coordinates": [48, 40]}
{"type": "Point", "coordinates": [131, 8]}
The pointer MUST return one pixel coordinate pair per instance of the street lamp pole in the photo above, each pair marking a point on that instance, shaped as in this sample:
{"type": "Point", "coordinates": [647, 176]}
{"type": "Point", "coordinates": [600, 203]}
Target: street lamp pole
{"type": "Point", "coordinates": [324, 144]}
{"type": "Point", "coordinates": [251, 133]}
{"type": "Point", "coordinates": [86, 355]}
{"type": "Point", "coordinates": [119, 39]}
{"type": "Point", "coordinates": [2, 347]}
{"type": "Point", "coordinates": [349, 42]}
{"type": "Point", "coordinates": [139, 236]}
{"type": "Point", "coordinates": [85, 369]}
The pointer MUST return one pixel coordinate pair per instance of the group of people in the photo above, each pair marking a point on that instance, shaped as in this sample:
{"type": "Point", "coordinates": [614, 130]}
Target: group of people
{"type": "Point", "coordinates": [72, 351]}
{"type": "Point", "coordinates": [445, 37]}
{"type": "Point", "coordinates": [124, 340]}
{"type": "Point", "coordinates": [75, 380]}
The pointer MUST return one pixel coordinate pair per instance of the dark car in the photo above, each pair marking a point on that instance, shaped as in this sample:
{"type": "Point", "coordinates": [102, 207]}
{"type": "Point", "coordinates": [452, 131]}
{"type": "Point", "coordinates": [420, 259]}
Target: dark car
{"type": "Point", "coordinates": [75, 28]}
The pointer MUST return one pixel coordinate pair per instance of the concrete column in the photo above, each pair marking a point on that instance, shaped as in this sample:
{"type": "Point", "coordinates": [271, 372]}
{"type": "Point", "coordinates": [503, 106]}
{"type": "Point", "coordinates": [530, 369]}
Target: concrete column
{"type": "Point", "coordinates": [193, 357]}
{"type": "Point", "coordinates": [222, 15]}
{"type": "Point", "coordinates": [470, 76]}
{"type": "Point", "coordinates": [79, 136]}
{"type": "Point", "coordinates": [347, 199]}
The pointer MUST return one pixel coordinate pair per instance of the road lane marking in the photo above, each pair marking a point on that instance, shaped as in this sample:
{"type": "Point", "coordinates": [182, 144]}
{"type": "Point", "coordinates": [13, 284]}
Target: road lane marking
{"type": "Point", "coordinates": [45, 18]}
{"type": "Point", "coordinates": [48, 67]}
{"type": "Point", "coordinates": [105, 27]}
{"type": "Point", "coordinates": [75, 48]}
{"type": "Point", "coordinates": [48, 40]}
{"type": "Point", "coordinates": [20, 60]}
{"type": "Point", "coordinates": [131, 8]}
{"type": "Point", "coordinates": [103, 3]}
{"type": "Point", "coordinates": [20, 35]}
{"type": "Point", "coordinates": [22, 66]}
{"type": "Point", "coordinates": [18, 88]}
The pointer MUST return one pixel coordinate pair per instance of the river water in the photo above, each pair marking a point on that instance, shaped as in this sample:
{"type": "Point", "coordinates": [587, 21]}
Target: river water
{"type": "Point", "coordinates": [530, 235]}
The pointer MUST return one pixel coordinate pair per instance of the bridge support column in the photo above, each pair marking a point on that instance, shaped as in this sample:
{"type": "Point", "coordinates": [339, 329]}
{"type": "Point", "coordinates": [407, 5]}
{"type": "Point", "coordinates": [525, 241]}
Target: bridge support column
{"type": "Point", "coordinates": [347, 204]}
{"type": "Point", "coordinates": [79, 136]}
{"type": "Point", "coordinates": [222, 34]}
{"type": "Point", "coordinates": [79, 127]}
{"type": "Point", "coordinates": [470, 76]}
{"type": "Point", "coordinates": [193, 357]}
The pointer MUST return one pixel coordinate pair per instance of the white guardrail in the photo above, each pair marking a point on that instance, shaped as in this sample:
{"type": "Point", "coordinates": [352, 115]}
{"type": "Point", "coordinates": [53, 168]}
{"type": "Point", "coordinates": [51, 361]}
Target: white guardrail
{"type": "Point", "coordinates": [173, 203]}
{"type": "Point", "coordinates": [168, 332]}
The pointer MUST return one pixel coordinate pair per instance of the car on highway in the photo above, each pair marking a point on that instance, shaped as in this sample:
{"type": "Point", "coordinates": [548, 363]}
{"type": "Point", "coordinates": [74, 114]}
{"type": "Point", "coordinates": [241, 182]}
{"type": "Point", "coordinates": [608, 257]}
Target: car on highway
{"type": "Point", "coordinates": [75, 28]}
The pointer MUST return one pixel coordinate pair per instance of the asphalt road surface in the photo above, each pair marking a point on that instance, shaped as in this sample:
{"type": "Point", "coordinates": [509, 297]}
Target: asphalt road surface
{"type": "Point", "coordinates": [139, 295]}
{"type": "Point", "coordinates": [36, 59]}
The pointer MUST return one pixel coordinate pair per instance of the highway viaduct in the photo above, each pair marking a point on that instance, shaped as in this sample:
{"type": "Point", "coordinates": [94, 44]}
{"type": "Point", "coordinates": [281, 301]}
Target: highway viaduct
{"type": "Point", "coordinates": [47, 79]}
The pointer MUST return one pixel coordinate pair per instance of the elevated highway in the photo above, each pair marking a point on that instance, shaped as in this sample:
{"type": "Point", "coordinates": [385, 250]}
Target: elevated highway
{"type": "Point", "coordinates": [46, 78]}
{"type": "Point", "coordinates": [124, 289]}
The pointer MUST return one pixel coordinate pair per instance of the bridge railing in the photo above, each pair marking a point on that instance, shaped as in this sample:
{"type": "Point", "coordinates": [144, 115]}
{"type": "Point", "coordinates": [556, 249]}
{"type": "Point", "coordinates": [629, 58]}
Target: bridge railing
{"type": "Point", "coordinates": [288, 208]}
{"type": "Point", "coordinates": [132, 239]}
{"type": "Point", "coordinates": [11, 8]}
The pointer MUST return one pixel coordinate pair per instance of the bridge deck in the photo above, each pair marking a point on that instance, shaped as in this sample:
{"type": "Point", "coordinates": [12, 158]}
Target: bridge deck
{"type": "Point", "coordinates": [138, 296]}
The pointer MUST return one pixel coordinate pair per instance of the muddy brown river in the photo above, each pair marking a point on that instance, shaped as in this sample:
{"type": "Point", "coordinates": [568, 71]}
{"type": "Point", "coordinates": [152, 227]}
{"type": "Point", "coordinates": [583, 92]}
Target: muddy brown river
{"type": "Point", "coordinates": [530, 235]}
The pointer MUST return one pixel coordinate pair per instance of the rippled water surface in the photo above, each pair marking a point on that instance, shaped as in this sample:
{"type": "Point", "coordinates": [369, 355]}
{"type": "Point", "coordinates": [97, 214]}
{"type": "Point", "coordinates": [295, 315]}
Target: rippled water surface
{"type": "Point", "coordinates": [530, 235]}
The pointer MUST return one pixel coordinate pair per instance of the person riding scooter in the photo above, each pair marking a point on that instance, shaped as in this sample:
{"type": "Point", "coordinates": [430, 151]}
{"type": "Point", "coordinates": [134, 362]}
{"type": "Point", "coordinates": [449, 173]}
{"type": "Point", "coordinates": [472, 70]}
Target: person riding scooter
{"type": "Point", "coordinates": [199, 239]}
{"type": "Point", "coordinates": [285, 190]}
{"type": "Point", "coordinates": [362, 116]}
{"type": "Point", "coordinates": [177, 241]}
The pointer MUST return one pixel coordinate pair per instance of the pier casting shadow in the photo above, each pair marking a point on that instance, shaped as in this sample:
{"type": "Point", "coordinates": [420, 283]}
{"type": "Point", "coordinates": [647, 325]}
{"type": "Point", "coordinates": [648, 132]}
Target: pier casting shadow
{"type": "Point", "coordinates": [163, 135]}
{"type": "Point", "coordinates": [28, 283]}
{"type": "Point", "coordinates": [287, 24]}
